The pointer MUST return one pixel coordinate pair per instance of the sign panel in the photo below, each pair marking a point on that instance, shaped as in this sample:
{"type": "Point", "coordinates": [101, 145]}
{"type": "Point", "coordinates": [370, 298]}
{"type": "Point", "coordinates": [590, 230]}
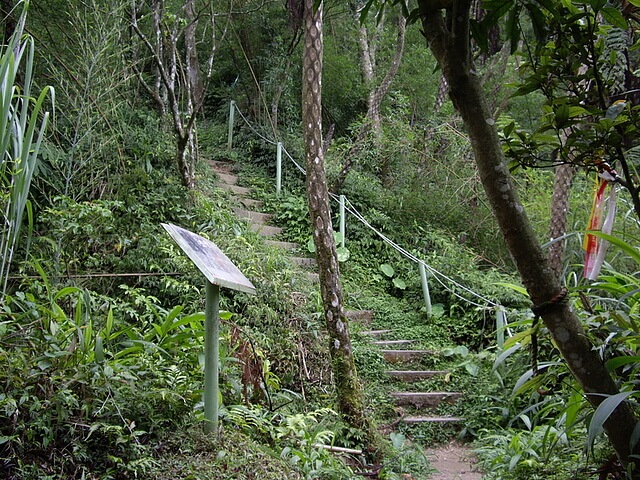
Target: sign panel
{"type": "Point", "coordinates": [209, 259]}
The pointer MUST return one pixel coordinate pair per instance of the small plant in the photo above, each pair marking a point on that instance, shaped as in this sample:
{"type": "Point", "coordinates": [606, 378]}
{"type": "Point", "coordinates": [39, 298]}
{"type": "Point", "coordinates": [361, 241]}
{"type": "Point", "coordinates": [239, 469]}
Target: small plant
{"type": "Point", "coordinates": [390, 272]}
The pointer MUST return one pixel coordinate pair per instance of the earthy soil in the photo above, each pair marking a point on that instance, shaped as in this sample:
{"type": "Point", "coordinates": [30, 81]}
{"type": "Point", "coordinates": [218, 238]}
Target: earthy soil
{"type": "Point", "coordinates": [453, 461]}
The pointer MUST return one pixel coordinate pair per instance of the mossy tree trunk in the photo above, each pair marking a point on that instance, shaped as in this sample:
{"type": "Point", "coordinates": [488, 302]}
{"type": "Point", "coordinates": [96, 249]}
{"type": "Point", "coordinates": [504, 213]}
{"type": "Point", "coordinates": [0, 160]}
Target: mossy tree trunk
{"type": "Point", "coordinates": [349, 392]}
{"type": "Point", "coordinates": [445, 25]}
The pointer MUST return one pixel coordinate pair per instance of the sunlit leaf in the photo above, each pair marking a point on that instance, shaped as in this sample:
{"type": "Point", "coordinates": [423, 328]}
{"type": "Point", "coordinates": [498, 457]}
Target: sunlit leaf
{"type": "Point", "coordinates": [603, 412]}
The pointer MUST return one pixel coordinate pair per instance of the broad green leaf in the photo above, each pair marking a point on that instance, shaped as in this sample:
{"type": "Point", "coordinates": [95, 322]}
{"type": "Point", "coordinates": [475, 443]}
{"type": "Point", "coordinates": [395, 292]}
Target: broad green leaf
{"type": "Point", "coordinates": [614, 17]}
{"type": "Point", "coordinates": [399, 283]}
{"type": "Point", "coordinates": [99, 350]}
{"type": "Point", "coordinates": [472, 369]}
{"type": "Point", "coordinates": [343, 254]}
{"type": "Point", "coordinates": [387, 269]}
{"type": "Point", "coordinates": [311, 247]}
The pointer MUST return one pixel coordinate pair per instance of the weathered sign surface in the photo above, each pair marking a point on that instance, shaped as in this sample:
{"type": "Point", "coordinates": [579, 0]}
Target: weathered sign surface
{"type": "Point", "coordinates": [209, 259]}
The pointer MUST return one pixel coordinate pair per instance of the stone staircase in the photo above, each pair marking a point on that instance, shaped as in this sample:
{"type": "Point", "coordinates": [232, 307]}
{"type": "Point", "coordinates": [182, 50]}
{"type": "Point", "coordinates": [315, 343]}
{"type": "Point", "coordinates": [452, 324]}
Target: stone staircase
{"type": "Point", "coordinates": [396, 353]}
{"type": "Point", "coordinates": [249, 210]}
{"type": "Point", "coordinates": [420, 403]}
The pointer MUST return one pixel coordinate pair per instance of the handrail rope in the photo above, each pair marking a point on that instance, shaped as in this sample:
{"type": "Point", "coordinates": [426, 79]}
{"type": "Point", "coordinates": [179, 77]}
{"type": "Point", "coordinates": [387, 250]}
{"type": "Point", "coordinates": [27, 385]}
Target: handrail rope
{"type": "Point", "coordinates": [268, 140]}
{"type": "Point", "coordinates": [302, 170]}
{"type": "Point", "coordinates": [436, 274]}
{"type": "Point", "coordinates": [351, 209]}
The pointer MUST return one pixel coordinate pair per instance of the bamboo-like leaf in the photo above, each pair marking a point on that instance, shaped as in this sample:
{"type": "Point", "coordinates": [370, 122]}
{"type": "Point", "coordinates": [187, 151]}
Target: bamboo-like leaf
{"type": "Point", "coordinates": [603, 412]}
{"type": "Point", "coordinates": [616, 362]}
{"type": "Point", "coordinates": [627, 248]}
{"type": "Point", "coordinates": [506, 354]}
{"type": "Point", "coordinates": [21, 134]}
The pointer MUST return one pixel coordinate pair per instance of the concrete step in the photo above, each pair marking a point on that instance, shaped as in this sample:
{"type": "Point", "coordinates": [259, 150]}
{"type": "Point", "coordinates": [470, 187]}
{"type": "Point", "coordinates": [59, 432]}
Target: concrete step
{"type": "Point", "coordinates": [391, 343]}
{"type": "Point", "coordinates": [253, 217]}
{"type": "Point", "coordinates": [227, 178]}
{"type": "Point", "coordinates": [304, 261]}
{"type": "Point", "coordinates": [221, 167]}
{"type": "Point", "coordinates": [375, 333]}
{"type": "Point", "coordinates": [359, 315]}
{"type": "Point", "coordinates": [425, 399]}
{"type": "Point", "coordinates": [419, 419]}
{"type": "Point", "coordinates": [397, 356]}
{"type": "Point", "coordinates": [235, 189]}
{"type": "Point", "coordinates": [313, 277]}
{"type": "Point", "coordinates": [283, 245]}
{"type": "Point", "coordinates": [415, 375]}
{"type": "Point", "coordinates": [266, 230]}
{"type": "Point", "coordinates": [250, 203]}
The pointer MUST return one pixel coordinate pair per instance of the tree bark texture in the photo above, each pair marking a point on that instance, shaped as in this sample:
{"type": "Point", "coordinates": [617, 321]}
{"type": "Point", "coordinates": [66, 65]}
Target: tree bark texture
{"type": "Point", "coordinates": [349, 392]}
{"type": "Point", "coordinates": [559, 210]}
{"type": "Point", "coordinates": [448, 39]}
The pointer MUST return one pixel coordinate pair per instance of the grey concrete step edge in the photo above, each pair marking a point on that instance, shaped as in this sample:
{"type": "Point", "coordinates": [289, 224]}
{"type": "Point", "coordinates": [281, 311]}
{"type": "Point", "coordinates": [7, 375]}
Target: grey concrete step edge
{"type": "Point", "coordinates": [415, 375]}
{"type": "Point", "coordinates": [365, 315]}
{"type": "Point", "coordinates": [405, 355]}
{"type": "Point", "coordinates": [375, 333]}
{"type": "Point", "coordinates": [242, 191]}
{"type": "Point", "coordinates": [250, 203]}
{"type": "Point", "coordinates": [221, 167]}
{"type": "Point", "coordinates": [425, 399]}
{"type": "Point", "coordinates": [392, 342]}
{"type": "Point", "coordinates": [305, 261]}
{"type": "Point", "coordinates": [420, 419]}
{"type": "Point", "coordinates": [227, 178]}
{"type": "Point", "coordinates": [254, 217]}
{"type": "Point", "coordinates": [283, 245]}
{"type": "Point", "coordinates": [266, 230]}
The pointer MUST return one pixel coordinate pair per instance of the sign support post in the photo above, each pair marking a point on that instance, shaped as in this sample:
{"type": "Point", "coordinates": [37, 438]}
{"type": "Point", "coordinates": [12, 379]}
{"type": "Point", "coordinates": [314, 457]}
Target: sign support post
{"type": "Point", "coordinates": [211, 358]}
{"type": "Point", "coordinates": [219, 271]}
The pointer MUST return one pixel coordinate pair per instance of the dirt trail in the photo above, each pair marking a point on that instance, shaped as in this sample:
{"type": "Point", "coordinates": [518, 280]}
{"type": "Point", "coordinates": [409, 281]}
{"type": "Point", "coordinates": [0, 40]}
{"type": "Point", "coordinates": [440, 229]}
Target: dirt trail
{"type": "Point", "coordinates": [453, 461]}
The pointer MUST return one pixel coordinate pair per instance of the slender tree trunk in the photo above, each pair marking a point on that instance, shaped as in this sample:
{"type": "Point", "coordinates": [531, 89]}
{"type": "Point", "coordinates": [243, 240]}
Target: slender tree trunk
{"type": "Point", "coordinates": [349, 392]}
{"type": "Point", "coordinates": [373, 120]}
{"type": "Point", "coordinates": [559, 210]}
{"type": "Point", "coordinates": [448, 39]}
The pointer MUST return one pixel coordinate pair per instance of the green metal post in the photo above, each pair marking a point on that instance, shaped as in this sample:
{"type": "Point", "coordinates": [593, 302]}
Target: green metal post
{"type": "Point", "coordinates": [501, 322]}
{"type": "Point", "coordinates": [232, 114]}
{"type": "Point", "coordinates": [211, 358]}
{"type": "Point", "coordinates": [279, 168]}
{"type": "Point", "coordinates": [425, 288]}
{"type": "Point", "coordinates": [342, 222]}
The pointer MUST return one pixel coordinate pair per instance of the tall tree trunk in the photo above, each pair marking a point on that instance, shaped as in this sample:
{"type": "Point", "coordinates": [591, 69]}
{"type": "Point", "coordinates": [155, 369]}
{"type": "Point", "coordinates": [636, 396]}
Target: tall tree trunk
{"type": "Point", "coordinates": [559, 210]}
{"type": "Point", "coordinates": [349, 392]}
{"type": "Point", "coordinates": [448, 39]}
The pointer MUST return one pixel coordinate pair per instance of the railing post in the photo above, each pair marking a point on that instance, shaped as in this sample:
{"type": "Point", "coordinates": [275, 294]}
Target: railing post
{"type": "Point", "coordinates": [501, 322]}
{"type": "Point", "coordinates": [232, 113]}
{"type": "Point", "coordinates": [425, 288]}
{"type": "Point", "coordinates": [343, 228]}
{"type": "Point", "coordinates": [279, 168]}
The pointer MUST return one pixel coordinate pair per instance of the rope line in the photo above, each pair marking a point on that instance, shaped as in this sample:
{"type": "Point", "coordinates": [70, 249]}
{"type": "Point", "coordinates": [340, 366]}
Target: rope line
{"type": "Point", "coordinates": [440, 277]}
{"type": "Point", "coordinates": [268, 140]}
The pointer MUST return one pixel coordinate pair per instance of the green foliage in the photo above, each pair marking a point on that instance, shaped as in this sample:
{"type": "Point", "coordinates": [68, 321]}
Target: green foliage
{"type": "Point", "coordinates": [21, 134]}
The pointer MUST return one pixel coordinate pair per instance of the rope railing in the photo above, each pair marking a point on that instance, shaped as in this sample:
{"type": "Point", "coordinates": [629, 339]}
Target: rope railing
{"type": "Point", "coordinates": [445, 281]}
